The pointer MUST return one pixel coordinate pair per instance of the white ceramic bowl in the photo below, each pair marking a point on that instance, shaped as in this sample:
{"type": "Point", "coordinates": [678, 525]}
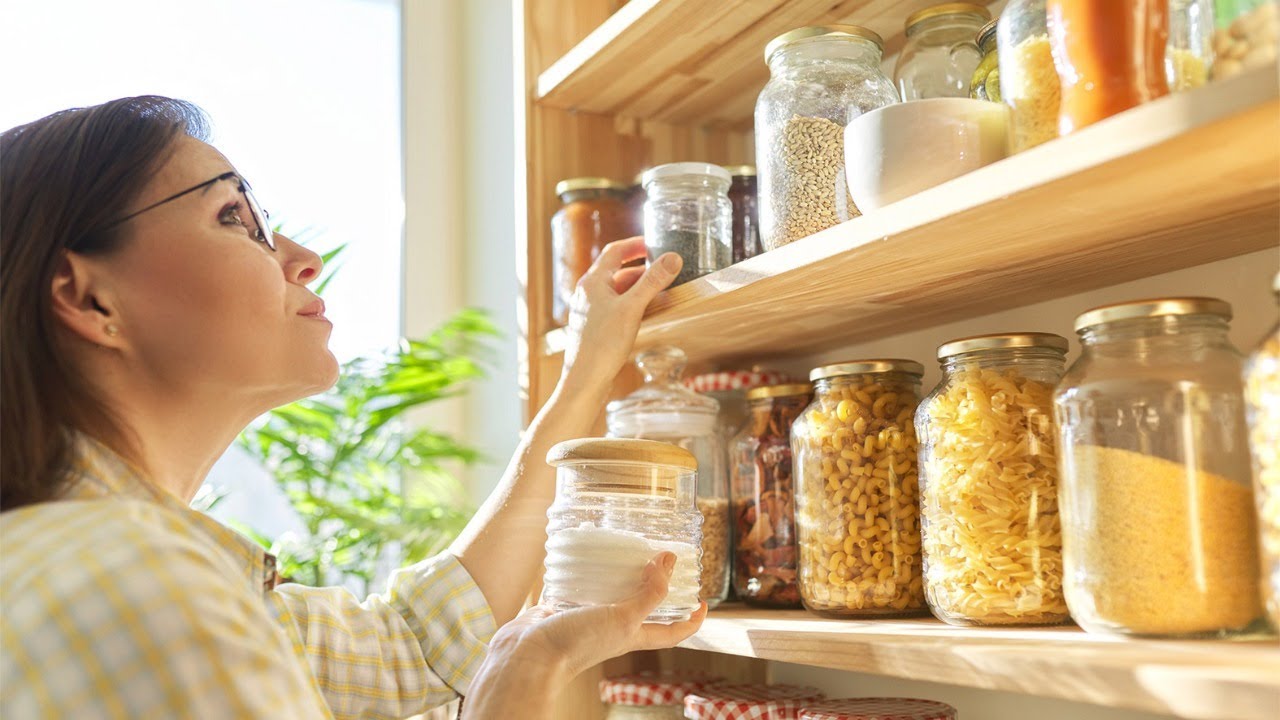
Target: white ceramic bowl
{"type": "Point", "coordinates": [899, 150]}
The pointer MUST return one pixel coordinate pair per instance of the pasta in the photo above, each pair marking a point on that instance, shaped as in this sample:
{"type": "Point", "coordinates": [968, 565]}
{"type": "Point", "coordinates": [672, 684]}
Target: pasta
{"type": "Point", "coordinates": [857, 513]}
{"type": "Point", "coordinates": [992, 535]}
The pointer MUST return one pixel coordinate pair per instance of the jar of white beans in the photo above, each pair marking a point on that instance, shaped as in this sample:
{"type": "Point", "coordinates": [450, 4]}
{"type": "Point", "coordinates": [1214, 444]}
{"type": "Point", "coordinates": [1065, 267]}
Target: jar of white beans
{"type": "Point", "coordinates": [989, 482]}
{"type": "Point", "coordinates": [857, 512]}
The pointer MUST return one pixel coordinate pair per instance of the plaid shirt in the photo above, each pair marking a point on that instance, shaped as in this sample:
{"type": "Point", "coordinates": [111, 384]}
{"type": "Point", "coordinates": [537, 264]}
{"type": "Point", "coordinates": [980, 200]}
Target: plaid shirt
{"type": "Point", "coordinates": [117, 601]}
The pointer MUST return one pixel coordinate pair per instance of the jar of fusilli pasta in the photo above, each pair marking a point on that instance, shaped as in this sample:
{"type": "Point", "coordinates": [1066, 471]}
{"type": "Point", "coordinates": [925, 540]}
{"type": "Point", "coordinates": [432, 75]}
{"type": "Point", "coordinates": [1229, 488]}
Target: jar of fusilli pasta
{"type": "Point", "coordinates": [989, 482]}
{"type": "Point", "coordinates": [857, 515]}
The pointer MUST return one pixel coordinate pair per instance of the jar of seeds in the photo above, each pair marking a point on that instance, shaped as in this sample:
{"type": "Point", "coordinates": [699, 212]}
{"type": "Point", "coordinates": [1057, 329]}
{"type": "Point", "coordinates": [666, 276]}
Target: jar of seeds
{"type": "Point", "coordinates": [688, 212]}
{"type": "Point", "coordinates": [821, 78]}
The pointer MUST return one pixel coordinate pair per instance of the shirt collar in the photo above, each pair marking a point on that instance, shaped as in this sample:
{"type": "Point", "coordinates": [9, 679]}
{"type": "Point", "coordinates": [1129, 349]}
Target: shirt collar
{"type": "Point", "coordinates": [99, 472]}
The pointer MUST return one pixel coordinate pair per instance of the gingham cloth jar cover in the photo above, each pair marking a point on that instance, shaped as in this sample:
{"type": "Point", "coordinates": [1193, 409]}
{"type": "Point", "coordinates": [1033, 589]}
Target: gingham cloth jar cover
{"type": "Point", "coordinates": [750, 702]}
{"type": "Point", "coordinates": [653, 689]}
{"type": "Point", "coordinates": [734, 380]}
{"type": "Point", "coordinates": [879, 709]}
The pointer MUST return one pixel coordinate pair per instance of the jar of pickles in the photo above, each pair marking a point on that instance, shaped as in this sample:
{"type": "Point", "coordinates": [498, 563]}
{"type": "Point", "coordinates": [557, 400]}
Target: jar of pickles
{"type": "Point", "coordinates": [989, 482]}
{"type": "Point", "coordinates": [618, 504]}
{"type": "Point", "coordinates": [857, 490]}
{"type": "Point", "coordinates": [985, 83]}
{"type": "Point", "coordinates": [593, 213]}
{"type": "Point", "coordinates": [1156, 498]}
{"type": "Point", "coordinates": [1029, 82]}
{"type": "Point", "coordinates": [663, 409]}
{"type": "Point", "coordinates": [763, 496]}
{"type": "Point", "coordinates": [1262, 401]}
{"type": "Point", "coordinates": [939, 57]}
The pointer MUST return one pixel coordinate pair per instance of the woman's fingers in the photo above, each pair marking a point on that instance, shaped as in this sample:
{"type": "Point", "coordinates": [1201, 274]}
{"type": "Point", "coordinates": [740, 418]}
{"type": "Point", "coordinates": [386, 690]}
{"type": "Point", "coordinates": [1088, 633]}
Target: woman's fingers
{"type": "Point", "coordinates": [625, 278]}
{"type": "Point", "coordinates": [654, 636]}
{"type": "Point", "coordinates": [613, 257]}
{"type": "Point", "coordinates": [653, 588]}
{"type": "Point", "coordinates": [656, 278]}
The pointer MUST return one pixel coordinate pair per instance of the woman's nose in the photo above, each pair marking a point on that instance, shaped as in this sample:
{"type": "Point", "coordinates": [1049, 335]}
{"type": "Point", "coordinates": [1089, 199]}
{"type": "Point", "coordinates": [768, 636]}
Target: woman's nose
{"type": "Point", "coordinates": [301, 265]}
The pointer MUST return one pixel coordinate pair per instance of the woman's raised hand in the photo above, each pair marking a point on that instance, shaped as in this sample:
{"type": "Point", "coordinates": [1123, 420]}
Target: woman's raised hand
{"type": "Point", "coordinates": [607, 307]}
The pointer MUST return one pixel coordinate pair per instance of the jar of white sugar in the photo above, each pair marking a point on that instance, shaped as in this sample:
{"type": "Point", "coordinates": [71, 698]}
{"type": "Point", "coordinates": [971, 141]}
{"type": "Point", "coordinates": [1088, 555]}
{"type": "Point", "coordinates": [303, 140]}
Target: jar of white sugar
{"type": "Point", "coordinates": [620, 502]}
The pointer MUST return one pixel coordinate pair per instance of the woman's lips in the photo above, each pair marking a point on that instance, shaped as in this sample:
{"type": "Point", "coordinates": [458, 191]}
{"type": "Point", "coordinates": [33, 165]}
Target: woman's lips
{"type": "Point", "coordinates": [313, 309]}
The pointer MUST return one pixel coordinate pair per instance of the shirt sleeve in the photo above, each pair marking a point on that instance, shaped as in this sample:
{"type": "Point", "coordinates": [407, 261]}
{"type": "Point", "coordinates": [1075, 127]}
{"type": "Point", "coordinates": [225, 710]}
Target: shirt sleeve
{"type": "Point", "coordinates": [142, 624]}
{"type": "Point", "coordinates": [397, 654]}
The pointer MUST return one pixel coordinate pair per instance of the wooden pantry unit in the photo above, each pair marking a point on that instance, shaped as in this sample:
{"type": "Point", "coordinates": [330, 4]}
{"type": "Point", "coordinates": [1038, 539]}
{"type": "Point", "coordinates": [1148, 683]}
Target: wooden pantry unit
{"type": "Point", "coordinates": [1183, 192]}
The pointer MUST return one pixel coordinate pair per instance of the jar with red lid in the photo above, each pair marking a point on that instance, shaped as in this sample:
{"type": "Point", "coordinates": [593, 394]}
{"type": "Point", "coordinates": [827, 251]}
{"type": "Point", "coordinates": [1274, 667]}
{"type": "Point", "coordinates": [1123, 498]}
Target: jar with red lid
{"type": "Point", "coordinates": [734, 702]}
{"type": "Point", "coordinates": [648, 696]}
{"type": "Point", "coordinates": [879, 708]}
{"type": "Point", "coordinates": [730, 388]}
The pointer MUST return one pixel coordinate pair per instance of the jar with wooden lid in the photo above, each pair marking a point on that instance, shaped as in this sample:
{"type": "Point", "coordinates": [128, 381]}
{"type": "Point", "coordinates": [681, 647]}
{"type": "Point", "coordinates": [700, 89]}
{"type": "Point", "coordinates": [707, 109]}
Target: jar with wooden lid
{"type": "Point", "coordinates": [651, 696]}
{"type": "Point", "coordinates": [746, 217]}
{"type": "Point", "coordinates": [989, 482]}
{"type": "Point", "coordinates": [1156, 494]}
{"type": "Point", "coordinates": [593, 213]}
{"type": "Point", "coordinates": [763, 496]}
{"type": "Point", "coordinates": [985, 83]}
{"type": "Point", "coordinates": [1110, 56]}
{"type": "Point", "coordinates": [618, 504]}
{"type": "Point", "coordinates": [879, 708]}
{"type": "Point", "coordinates": [857, 510]}
{"type": "Point", "coordinates": [940, 56]}
{"type": "Point", "coordinates": [1262, 403]}
{"type": "Point", "coordinates": [820, 78]}
{"type": "Point", "coordinates": [662, 409]}
{"type": "Point", "coordinates": [1029, 82]}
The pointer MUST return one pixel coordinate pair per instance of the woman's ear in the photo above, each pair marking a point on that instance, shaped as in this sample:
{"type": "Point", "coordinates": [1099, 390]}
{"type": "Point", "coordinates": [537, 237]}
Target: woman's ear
{"type": "Point", "coordinates": [82, 303]}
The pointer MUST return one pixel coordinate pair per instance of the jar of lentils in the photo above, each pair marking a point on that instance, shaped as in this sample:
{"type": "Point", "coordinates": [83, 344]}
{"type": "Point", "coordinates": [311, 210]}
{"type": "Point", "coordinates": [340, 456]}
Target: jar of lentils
{"type": "Point", "coordinates": [857, 492]}
{"type": "Point", "coordinates": [989, 482]}
{"type": "Point", "coordinates": [821, 78]}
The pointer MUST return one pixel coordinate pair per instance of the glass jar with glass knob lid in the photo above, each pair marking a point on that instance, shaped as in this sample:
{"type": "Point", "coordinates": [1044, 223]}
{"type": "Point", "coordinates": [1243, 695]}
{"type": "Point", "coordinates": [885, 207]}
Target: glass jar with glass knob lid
{"type": "Point", "coordinates": [940, 56]}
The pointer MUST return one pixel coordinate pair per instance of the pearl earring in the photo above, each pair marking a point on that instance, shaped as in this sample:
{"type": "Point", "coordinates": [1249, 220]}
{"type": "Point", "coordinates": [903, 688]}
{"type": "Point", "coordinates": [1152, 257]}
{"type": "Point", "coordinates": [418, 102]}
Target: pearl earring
{"type": "Point", "coordinates": [112, 330]}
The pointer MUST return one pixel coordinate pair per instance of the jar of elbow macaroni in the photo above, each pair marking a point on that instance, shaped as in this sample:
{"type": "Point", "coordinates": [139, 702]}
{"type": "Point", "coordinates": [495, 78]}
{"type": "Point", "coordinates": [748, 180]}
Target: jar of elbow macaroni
{"type": "Point", "coordinates": [857, 512]}
{"type": "Point", "coordinates": [989, 482]}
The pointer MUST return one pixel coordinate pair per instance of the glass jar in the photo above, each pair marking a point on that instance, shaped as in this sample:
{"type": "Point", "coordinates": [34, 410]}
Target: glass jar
{"type": "Point", "coordinates": [635, 205]}
{"type": "Point", "coordinates": [1247, 36]}
{"type": "Point", "coordinates": [763, 496]}
{"type": "Point", "coordinates": [729, 388]}
{"type": "Point", "coordinates": [618, 504]}
{"type": "Point", "coordinates": [1262, 402]}
{"type": "Point", "coordinates": [1190, 52]}
{"type": "Point", "coordinates": [1109, 55]}
{"type": "Point", "coordinates": [1156, 503]}
{"type": "Point", "coordinates": [940, 56]}
{"type": "Point", "coordinates": [732, 702]}
{"type": "Point", "coordinates": [820, 78]}
{"type": "Point", "coordinates": [1029, 82]}
{"type": "Point", "coordinates": [857, 489]}
{"type": "Point", "coordinates": [663, 410]}
{"type": "Point", "coordinates": [593, 213]}
{"type": "Point", "coordinates": [746, 219]}
{"type": "Point", "coordinates": [647, 696]}
{"type": "Point", "coordinates": [985, 83]}
{"type": "Point", "coordinates": [879, 708]}
{"type": "Point", "coordinates": [989, 482]}
{"type": "Point", "coordinates": [687, 212]}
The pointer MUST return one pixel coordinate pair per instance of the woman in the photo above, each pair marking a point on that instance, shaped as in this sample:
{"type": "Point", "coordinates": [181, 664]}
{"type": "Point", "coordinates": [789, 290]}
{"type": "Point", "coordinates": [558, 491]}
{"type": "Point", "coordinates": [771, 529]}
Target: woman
{"type": "Point", "coordinates": [149, 314]}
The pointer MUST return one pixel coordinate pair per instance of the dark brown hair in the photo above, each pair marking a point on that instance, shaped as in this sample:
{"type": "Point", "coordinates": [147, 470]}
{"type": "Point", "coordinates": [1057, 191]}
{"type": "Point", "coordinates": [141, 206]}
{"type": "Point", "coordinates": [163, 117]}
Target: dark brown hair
{"type": "Point", "coordinates": [63, 179]}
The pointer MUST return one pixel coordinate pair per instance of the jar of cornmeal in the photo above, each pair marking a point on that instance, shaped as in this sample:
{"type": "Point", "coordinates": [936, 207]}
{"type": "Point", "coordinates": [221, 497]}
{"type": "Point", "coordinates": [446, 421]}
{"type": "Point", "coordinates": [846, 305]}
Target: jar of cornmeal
{"type": "Point", "coordinates": [620, 502]}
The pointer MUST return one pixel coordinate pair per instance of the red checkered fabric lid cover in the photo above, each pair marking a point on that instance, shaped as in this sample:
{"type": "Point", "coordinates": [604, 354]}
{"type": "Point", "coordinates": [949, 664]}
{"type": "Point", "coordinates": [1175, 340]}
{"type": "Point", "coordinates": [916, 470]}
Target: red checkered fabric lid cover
{"type": "Point", "coordinates": [735, 380]}
{"type": "Point", "coordinates": [878, 709]}
{"type": "Point", "coordinates": [750, 702]}
{"type": "Point", "coordinates": [653, 689]}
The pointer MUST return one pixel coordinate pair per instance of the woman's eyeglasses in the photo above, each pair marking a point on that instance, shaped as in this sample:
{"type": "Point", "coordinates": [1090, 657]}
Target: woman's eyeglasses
{"type": "Point", "coordinates": [261, 218]}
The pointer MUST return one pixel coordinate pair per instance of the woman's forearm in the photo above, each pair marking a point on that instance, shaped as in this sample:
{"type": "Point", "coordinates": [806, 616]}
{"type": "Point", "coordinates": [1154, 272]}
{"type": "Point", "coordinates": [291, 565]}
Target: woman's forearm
{"type": "Point", "coordinates": [502, 546]}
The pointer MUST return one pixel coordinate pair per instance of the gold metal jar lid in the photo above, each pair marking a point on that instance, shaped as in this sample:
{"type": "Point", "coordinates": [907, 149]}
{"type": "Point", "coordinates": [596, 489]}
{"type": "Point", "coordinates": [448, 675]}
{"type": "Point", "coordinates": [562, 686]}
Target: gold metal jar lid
{"type": "Point", "coordinates": [777, 391]}
{"type": "Point", "coordinates": [588, 183]}
{"type": "Point", "coordinates": [1001, 341]}
{"type": "Point", "coordinates": [741, 170]}
{"type": "Point", "coordinates": [1154, 307]}
{"type": "Point", "coordinates": [954, 8]}
{"type": "Point", "coordinates": [864, 367]}
{"type": "Point", "coordinates": [986, 32]}
{"type": "Point", "coordinates": [621, 450]}
{"type": "Point", "coordinates": [816, 31]}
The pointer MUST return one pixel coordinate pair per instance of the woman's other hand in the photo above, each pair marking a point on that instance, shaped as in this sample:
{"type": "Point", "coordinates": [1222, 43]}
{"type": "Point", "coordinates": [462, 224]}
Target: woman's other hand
{"type": "Point", "coordinates": [533, 657]}
{"type": "Point", "coordinates": [605, 313]}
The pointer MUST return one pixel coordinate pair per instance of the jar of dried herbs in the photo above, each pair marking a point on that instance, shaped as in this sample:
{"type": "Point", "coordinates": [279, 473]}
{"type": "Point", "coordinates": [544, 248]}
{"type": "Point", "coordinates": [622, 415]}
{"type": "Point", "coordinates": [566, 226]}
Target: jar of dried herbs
{"type": "Point", "coordinates": [763, 496]}
{"type": "Point", "coordinates": [687, 212]}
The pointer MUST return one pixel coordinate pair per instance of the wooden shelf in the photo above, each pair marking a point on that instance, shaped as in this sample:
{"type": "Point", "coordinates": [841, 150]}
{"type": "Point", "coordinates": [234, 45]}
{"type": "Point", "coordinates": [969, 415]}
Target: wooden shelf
{"type": "Point", "coordinates": [696, 62]}
{"type": "Point", "coordinates": [1188, 179]}
{"type": "Point", "coordinates": [1209, 679]}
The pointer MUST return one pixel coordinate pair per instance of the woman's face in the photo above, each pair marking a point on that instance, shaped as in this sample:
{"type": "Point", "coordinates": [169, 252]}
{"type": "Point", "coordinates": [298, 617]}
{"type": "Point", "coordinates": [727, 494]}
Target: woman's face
{"type": "Point", "coordinates": [205, 307]}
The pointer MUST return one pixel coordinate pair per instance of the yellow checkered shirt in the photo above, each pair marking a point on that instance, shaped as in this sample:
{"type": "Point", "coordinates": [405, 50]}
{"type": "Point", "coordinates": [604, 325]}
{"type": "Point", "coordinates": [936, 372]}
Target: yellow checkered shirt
{"type": "Point", "coordinates": [117, 601]}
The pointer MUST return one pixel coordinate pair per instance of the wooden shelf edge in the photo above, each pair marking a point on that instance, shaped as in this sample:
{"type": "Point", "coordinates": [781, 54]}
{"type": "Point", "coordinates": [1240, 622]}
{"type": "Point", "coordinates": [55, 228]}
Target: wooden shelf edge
{"type": "Point", "coordinates": [1182, 181]}
{"type": "Point", "coordinates": [1201, 679]}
